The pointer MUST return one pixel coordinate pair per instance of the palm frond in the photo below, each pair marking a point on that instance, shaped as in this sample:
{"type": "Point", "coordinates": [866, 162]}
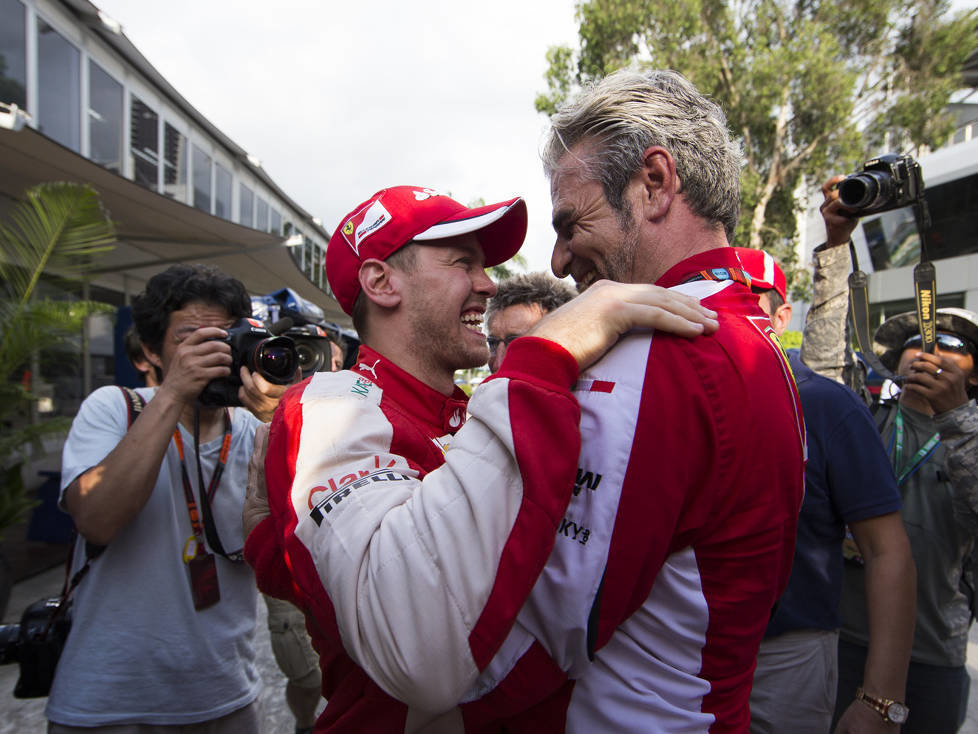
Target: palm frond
{"type": "Point", "coordinates": [59, 226]}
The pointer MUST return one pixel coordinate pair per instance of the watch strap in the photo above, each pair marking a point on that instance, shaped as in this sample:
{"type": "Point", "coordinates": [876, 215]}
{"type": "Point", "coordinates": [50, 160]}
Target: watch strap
{"type": "Point", "coordinates": [882, 706]}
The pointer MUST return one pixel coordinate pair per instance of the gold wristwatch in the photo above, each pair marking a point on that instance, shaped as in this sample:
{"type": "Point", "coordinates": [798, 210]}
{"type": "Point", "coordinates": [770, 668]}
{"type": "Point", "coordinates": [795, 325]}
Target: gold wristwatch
{"type": "Point", "coordinates": [892, 711]}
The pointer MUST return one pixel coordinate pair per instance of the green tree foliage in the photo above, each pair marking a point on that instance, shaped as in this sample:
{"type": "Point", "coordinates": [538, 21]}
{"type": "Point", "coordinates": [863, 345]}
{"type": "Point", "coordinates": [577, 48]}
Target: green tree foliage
{"type": "Point", "coordinates": [810, 87]}
{"type": "Point", "coordinates": [57, 228]}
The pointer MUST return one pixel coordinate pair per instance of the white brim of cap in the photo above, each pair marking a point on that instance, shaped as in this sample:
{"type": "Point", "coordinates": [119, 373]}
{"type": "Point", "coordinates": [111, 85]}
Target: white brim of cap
{"type": "Point", "coordinates": [462, 226]}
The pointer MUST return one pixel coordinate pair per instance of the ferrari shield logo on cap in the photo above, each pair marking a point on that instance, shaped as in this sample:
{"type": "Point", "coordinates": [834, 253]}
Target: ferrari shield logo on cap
{"type": "Point", "coordinates": [363, 224]}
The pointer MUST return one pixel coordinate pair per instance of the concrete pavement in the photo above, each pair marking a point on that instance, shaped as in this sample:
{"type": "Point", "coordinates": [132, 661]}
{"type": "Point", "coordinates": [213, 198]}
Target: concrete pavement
{"type": "Point", "coordinates": [26, 716]}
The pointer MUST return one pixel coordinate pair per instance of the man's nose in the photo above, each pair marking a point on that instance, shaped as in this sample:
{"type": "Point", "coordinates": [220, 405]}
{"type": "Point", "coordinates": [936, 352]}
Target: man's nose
{"type": "Point", "coordinates": [560, 258]}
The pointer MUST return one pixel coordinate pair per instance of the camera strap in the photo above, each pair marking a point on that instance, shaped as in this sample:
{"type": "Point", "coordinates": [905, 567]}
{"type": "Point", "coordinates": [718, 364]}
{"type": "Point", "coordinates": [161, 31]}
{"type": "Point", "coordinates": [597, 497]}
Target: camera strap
{"type": "Point", "coordinates": [134, 406]}
{"type": "Point", "coordinates": [925, 296]}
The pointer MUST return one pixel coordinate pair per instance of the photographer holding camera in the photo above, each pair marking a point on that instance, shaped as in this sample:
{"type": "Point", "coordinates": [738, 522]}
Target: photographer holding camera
{"type": "Point", "coordinates": [164, 622]}
{"type": "Point", "coordinates": [931, 432]}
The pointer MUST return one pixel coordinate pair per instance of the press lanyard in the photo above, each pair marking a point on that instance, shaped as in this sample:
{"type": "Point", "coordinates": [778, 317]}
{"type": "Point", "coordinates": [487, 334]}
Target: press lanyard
{"type": "Point", "coordinates": [918, 459]}
{"type": "Point", "coordinates": [188, 491]}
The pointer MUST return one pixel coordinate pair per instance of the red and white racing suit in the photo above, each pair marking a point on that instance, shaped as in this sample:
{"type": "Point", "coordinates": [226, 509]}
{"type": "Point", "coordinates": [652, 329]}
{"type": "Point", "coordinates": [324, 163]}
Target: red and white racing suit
{"type": "Point", "coordinates": [678, 540]}
{"type": "Point", "coordinates": [411, 559]}
{"type": "Point", "coordinates": [669, 558]}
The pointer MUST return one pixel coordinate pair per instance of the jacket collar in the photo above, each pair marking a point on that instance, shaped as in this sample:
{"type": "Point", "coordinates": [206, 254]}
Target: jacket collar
{"type": "Point", "coordinates": [442, 414]}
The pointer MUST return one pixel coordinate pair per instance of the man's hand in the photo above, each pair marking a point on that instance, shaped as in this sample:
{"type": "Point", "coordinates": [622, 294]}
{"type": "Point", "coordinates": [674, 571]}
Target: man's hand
{"type": "Point", "coordinates": [197, 360]}
{"type": "Point", "coordinates": [861, 719]}
{"type": "Point", "coordinates": [838, 224]}
{"type": "Point", "coordinates": [256, 494]}
{"type": "Point", "coordinates": [591, 323]}
{"type": "Point", "coordinates": [938, 380]}
{"type": "Point", "coordinates": [259, 395]}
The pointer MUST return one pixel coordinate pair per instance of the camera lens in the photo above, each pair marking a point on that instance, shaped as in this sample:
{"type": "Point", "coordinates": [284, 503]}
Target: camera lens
{"type": "Point", "coordinates": [276, 359]}
{"type": "Point", "coordinates": [866, 190]}
{"type": "Point", "coordinates": [311, 358]}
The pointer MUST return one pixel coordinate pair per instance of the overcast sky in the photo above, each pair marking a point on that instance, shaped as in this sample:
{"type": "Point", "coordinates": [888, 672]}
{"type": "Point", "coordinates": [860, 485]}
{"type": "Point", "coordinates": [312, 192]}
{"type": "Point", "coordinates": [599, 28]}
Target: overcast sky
{"type": "Point", "coordinates": [340, 99]}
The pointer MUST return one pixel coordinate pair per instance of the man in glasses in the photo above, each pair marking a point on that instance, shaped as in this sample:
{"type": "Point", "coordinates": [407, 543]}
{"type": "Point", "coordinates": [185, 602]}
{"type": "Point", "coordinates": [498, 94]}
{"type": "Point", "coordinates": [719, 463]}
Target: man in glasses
{"type": "Point", "coordinates": [519, 303]}
{"type": "Point", "coordinates": [931, 433]}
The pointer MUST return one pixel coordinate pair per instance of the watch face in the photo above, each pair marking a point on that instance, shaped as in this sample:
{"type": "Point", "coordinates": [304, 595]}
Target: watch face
{"type": "Point", "coordinates": [897, 713]}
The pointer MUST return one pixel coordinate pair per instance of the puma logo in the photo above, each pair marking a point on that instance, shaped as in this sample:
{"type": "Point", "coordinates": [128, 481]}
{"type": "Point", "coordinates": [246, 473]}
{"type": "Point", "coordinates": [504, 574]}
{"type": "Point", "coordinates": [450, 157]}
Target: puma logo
{"type": "Point", "coordinates": [369, 368]}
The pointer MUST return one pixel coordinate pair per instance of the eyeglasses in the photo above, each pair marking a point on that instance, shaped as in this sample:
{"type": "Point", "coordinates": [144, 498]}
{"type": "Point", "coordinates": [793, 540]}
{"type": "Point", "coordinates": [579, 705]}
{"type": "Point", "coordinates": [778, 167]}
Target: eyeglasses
{"type": "Point", "coordinates": [946, 342]}
{"type": "Point", "coordinates": [495, 341]}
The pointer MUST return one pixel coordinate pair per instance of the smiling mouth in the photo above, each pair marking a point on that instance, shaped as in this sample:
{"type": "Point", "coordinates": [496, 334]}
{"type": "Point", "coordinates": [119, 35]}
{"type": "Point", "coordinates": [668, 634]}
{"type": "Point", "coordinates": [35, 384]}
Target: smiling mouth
{"type": "Point", "coordinates": [473, 322]}
{"type": "Point", "coordinates": [586, 280]}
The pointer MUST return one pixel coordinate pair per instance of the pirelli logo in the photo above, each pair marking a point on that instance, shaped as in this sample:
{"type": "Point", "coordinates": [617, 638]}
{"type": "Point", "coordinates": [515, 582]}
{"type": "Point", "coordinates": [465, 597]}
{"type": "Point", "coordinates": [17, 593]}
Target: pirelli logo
{"type": "Point", "coordinates": [327, 505]}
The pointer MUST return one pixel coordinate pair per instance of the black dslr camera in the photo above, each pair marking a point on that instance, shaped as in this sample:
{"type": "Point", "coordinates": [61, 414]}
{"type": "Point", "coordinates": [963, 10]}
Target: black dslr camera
{"type": "Point", "coordinates": [301, 320]}
{"type": "Point", "coordinates": [885, 183]}
{"type": "Point", "coordinates": [254, 347]}
{"type": "Point", "coordinates": [36, 645]}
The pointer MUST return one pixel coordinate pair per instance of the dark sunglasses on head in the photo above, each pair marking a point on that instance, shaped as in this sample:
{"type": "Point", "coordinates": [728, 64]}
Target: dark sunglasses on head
{"type": "Point", "coordinates": [946, 343]}
{"type": "Point", "coordinates": [495, 341]}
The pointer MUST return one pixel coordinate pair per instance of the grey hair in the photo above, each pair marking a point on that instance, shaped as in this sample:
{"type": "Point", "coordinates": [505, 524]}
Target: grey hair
{"type": "Point", "coordinates": [628, 111]}
{"type": "Point", "coordinates": [532, 288]}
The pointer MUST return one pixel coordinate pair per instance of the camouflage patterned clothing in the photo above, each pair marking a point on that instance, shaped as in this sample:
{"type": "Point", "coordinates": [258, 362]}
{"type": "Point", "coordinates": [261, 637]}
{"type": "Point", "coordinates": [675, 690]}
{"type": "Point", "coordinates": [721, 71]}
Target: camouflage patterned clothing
{"type": "Point", "coordinates": [825, 345]}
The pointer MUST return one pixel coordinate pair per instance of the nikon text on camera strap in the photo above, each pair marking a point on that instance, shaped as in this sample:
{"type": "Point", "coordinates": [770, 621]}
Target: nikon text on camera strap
{"type": "Point", "coordinates": [925, 295]}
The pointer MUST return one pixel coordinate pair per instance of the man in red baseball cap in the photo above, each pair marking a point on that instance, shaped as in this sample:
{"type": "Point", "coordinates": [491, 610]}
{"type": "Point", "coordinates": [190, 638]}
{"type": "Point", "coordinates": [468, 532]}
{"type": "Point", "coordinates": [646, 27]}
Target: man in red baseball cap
{"type": "Point", "coordinates": [849, 486]}
{"type": "Point", "coordinates": [408, 523]}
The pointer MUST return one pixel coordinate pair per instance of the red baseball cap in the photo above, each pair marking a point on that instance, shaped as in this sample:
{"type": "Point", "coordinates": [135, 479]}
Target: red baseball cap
{"type": "Point", "coordinates": [764, 272]}
{"type": "Point", "coordinates": [393, 217]}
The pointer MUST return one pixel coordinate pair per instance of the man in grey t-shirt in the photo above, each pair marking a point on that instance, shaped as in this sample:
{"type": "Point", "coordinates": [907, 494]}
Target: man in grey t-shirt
{"type": "Point", "coordinates": [164, 623]}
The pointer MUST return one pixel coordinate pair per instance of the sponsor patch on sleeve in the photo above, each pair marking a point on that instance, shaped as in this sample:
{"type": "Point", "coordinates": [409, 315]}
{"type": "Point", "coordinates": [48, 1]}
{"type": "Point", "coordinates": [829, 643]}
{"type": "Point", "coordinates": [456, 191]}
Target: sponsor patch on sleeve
{"type": "Point", "coordinates": [334, 499]}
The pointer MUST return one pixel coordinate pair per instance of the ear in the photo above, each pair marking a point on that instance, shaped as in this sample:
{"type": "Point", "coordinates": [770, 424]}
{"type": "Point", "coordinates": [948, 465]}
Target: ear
{"type": "Point", "coordinates": [781, 318]}
{"type": "Point", "coordinates": [378, 283]}
{"type": "Point", "coordinates": [659, 183]}
{"type": "Point", "coordinates": [152, 357]}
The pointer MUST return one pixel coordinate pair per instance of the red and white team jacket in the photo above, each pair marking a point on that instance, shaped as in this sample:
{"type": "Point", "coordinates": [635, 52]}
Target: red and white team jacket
{"type": "Point", "coordinates": [412, 559]}
{"type": "Point", "coordinates": [668, 560]}
{"type": "Point", "coordinates": [678, 540]}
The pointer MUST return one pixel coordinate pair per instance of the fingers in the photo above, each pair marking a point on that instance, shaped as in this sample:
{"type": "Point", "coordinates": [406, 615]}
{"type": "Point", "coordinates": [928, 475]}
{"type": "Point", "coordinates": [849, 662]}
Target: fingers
{"type": "Point", "coordinates": [657, 308]}
{"type": "Point", "coordinates": [839, 222]}
{"type": "Point", "coordinates": [590, 324]}
{"type": "Point", "coordinates": [256, 495]}
{"type": "Point", "coordinates": [830, 186]}
{"type": "Point", "coordinates": [259, 395]}
{"type": "Point", "coordinates": [937, 379]}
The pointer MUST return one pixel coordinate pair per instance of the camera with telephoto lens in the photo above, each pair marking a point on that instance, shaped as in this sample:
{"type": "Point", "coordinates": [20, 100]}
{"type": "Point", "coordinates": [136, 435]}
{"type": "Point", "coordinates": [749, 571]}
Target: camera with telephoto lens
{"type": "Point", "coordinates": [254, 347]}
{"type": "Point", "coordinates": [36, 644]}
{"type": "Point", "coordinates": [885, 183]}
{"type": "Point", "coordinates": [305, 325]}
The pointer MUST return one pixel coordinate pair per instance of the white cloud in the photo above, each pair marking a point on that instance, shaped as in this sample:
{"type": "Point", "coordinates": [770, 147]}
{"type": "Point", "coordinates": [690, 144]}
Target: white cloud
{"type": "Point", "coordinates": [338, 100]}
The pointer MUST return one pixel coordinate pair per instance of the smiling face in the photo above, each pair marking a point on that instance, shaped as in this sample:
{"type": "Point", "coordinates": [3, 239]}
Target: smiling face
{"type": "Point", "coordinates": [593, 240]}
{"type": "Point", "coordinates": [444, 294]}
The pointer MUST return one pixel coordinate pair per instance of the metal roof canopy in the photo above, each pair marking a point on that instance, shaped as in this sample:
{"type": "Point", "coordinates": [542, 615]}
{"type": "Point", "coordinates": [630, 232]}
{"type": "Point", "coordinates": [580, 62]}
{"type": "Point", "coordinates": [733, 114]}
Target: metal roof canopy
{"type": "Point", "coordinates": [155, 231]}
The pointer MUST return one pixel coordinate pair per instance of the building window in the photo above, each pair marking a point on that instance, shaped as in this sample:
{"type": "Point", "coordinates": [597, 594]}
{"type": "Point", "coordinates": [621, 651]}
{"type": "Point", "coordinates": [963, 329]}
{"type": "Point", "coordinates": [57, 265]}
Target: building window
{"type": "Point", "coordinates": [13, 54]}
{"type": "Point", "coordinates": [104, 118]}
{"type": "Point", "coordinates": [275, 222]}
{"type": "Point", "coordinates": [59, 87]}
{"type": "Point", "coordinates": [246, 206]}
{"type": "Point", "coordinates": [222, 191]}
{"type": "Point", "coordinates": [202, 179]}
{"type": "Point", "coordinates": [144, 143]}
{"type": "Point", "coordinates": [261, 215]}
{"type": "Point", "coordinates": [174, 163]}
